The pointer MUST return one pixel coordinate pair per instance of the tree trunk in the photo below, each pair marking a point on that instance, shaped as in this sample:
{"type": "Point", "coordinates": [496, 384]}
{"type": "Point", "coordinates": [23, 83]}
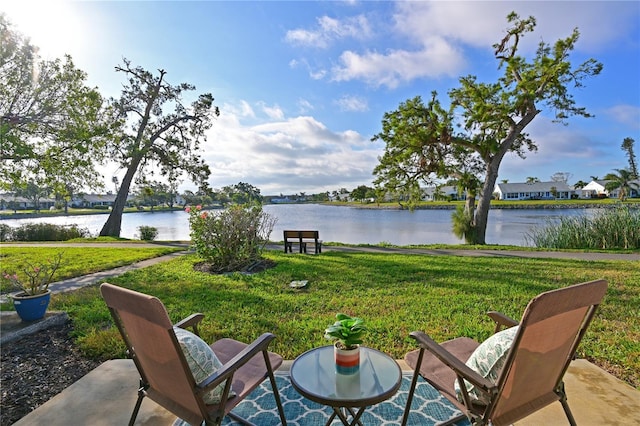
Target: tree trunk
{"type": "Point", "coordinates": [113, 224]}
{"type": "Point", "coordinates": [484, 202]}
{"type": "Point", "coordinates": [470, 204]}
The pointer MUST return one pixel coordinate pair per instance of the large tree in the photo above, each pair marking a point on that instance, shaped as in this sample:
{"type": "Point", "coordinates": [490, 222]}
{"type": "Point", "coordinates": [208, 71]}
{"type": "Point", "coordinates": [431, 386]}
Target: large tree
{"type": "Point", "coordinates": [159, 134]}
{"type": "Point", "coordinates": [51, 126]}
{"type": "Point", "coordinates": [421, 142]}
{"type": "Point", "coordinates": [627, 146]}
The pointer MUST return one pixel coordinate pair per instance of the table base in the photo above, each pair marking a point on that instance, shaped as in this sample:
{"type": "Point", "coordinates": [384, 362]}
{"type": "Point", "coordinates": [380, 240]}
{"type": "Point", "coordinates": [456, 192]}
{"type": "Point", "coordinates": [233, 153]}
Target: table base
{"type": "Point", "coordinates": [342, 412]}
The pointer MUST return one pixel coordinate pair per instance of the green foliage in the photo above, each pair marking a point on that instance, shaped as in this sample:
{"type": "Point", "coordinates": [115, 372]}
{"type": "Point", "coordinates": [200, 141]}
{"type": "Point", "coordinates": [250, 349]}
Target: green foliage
{"type": "Point", "coordinates": [415, 135]}
{"type": "Point", "coordinates": [622, 181]}
{"type": "Point", "coordinates": [230, 239]}
{"type": "Point", "coordinates": [240, 193]}
{"type": "Point", "coordinates": [348, 331]}
{"type": "Point", "coordinates": [612, 228]}
{"type": "Point", "coordinates": [627, 146]}
{"type": "Point", "coordinates": [39, 276]}
{"type": "Point", "coordinates": [148, 233]}
{"type": "Point", "coordinates": [462, 220]}
{"type": "Point", "coordinates": [445, 296]}
{"type": "Point", "coordinates": [5, 232]}
{"type": "Point", "coordinates": [51, 124]}
{"type": "Point", "coordinates": [46, 232]}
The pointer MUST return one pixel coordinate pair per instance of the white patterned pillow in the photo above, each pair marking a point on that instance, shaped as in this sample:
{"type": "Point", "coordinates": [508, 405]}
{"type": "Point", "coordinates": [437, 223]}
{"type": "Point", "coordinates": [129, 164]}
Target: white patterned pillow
{"type": "Point", "coordinates": [488, 360]}
{"type": "Point", "coordinates": [202, 361]}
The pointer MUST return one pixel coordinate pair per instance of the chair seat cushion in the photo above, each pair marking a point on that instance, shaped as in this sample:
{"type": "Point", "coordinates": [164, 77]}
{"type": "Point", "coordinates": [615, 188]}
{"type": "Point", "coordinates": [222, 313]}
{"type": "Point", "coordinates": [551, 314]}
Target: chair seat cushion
{"type": "Point", "coordinates": [202, 361]}
{"type": "Point", "coordinates": [488, 360]}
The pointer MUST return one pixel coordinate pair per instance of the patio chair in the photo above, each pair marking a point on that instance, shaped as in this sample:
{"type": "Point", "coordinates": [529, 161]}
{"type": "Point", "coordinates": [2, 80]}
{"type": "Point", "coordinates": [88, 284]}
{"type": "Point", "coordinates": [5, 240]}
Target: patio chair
{"type": "Point", "coordinates": [166, 375]}
{"type": "Point", "coordinates": [534, 362]}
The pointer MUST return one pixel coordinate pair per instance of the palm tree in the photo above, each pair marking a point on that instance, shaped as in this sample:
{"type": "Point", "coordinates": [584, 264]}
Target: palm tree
{"type": "Point", "coordinates": [622, 181]}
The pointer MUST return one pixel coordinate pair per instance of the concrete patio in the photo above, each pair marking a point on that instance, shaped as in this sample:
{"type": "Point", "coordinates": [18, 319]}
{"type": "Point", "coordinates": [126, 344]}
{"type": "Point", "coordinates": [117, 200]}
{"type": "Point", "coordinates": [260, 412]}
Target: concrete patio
{"type": "Point", "coordinates": [107, 395]}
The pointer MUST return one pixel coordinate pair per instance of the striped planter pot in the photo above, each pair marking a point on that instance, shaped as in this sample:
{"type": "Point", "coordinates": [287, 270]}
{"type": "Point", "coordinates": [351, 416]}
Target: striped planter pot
{"type": "Point", "coordinates": [347, 361]}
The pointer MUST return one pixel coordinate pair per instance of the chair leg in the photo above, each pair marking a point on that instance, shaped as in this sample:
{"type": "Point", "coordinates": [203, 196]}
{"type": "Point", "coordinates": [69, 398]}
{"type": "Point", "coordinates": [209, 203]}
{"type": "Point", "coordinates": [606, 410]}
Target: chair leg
{"type": "Point", "coordinates": [141, 395]}
{"type": "Point", "coordinates": [414, 381]}
{"type": "Point", "coordinates": [274, 387]}
{"type": "Point", "coordinates": [237, 418]}
{"type": "Point", "coordinates": [455, 420]}
{"type": "Point", "coordinates": [565, 405]}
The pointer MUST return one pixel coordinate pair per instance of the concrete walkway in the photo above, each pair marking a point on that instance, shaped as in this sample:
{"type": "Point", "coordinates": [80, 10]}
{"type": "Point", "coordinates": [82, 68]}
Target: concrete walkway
{"type": "Point", "coordinates": [107, 394]}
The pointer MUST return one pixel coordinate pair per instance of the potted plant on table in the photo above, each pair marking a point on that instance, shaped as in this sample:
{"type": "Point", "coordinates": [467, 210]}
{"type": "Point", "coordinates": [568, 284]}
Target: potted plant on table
{"type": "Point", "coordinates": [33, 297]}
{"type": "Point", "coordinates": [347, 331]}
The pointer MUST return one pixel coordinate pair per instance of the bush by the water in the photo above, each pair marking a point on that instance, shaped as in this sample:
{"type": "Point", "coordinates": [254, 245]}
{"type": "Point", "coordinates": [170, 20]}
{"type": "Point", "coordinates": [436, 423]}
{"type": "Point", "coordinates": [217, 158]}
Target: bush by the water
{"type": "Point", "coordinates": [148, 233]}
{"type": "Point", "coordinates": [230, 239]}
{"type": "Point", "coordinates": [614, 228]}
{"type": "Point", "coordinates": [5, 232]}
{"type": "Point", "coordinates": [45, 232]}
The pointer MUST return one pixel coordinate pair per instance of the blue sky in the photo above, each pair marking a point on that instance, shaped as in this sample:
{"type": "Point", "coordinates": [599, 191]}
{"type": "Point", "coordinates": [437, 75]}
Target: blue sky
{"type": "Point", "coordinates": [303, 86]}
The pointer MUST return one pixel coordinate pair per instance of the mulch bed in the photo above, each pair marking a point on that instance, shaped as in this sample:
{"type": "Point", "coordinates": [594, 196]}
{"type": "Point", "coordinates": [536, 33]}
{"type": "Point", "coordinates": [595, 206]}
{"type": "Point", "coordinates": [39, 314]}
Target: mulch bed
{"type": "Point", "coordinates": [37, 367]}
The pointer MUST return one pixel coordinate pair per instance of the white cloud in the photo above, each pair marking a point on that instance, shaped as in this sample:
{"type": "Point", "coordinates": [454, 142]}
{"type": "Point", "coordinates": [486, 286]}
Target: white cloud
{"type": "Point", "coordinates": [483, 23]}
{"type": "Point", "coordinates": [305, 106]}
{"type": "Point", "coordinates": [628, 115]}
{"type": "Point", "coordinates": [330, 29]}
{"type": "Point", "coordinates": [315, 74]}
{"type": "Point", "coordinates": [394, 67]}
{"type": "Point", "coordinates": [438, 33]}
{"type": "Point", "coordinates": [352, 103]}
{"type": "Point", "coordinates": [247, 111]}
{"type": "Point", "coordinates": [287, 155]}
{"type": "Point", "coordinates": [273, 112]}
{"type": "Point", "coordinates": [561, 149]}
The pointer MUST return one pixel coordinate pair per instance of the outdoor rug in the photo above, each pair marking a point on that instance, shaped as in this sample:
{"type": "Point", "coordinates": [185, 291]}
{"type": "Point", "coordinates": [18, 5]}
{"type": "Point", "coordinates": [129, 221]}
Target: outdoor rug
{"type": "Point", "coordinates": [428, 407]}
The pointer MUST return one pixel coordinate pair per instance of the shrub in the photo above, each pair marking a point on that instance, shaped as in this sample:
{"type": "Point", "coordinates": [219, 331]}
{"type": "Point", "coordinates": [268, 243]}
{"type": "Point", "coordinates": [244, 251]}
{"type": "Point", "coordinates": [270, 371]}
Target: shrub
{"type": "Point", "coordinates": [48, 232]}
{"type": "Point", "coordinates": [231, 239]}
{"type": "Point", "coordinates": [614, 228]}
{"type": "Point", "coordinates": [5, 232]}
{"type": "Point", "coordinates": [148, 233]}
{"type": "Point", "coordinates": [462, 225]}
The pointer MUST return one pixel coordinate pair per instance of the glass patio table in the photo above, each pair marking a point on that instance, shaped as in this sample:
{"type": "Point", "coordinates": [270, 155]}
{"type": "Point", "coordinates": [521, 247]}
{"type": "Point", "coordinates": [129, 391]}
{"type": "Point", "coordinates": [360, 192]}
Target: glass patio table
{"type": "Point", "coordinates": [314, 376]}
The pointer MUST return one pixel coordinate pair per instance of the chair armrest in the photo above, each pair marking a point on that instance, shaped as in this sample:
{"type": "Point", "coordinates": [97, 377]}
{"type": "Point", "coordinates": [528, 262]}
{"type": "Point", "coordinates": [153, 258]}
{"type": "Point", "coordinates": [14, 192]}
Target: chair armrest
{"type": "Point", "coordinates": [501, 320]}
{"type": "Point", "coordinates": [460, 368]}
{"type": "Point", "coordinates": [259, 345]}
{"type": "Point", "coordinates": [191, 321]}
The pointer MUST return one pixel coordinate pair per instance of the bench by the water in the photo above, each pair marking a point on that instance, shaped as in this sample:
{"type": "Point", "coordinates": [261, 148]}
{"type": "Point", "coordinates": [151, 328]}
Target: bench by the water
{"type": "Point", "coordinates": [302, 238]}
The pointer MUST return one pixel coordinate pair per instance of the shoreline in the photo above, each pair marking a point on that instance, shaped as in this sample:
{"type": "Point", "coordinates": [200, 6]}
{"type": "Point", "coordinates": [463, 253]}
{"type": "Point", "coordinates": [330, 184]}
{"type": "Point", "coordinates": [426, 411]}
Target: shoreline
{"type": "Point", "coordinates": [452, 206]}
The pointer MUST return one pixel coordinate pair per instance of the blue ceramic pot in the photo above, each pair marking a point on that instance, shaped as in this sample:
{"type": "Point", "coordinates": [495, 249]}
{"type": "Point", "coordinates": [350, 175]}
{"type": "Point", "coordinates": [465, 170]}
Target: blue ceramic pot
{"type": "Point", "coordinates": [31, 308]}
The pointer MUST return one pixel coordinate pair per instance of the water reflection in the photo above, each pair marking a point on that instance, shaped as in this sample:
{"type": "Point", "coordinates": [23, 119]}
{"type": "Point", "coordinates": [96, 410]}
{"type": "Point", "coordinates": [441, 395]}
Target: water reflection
{"type": "Point", "coordinates": [340, 224]}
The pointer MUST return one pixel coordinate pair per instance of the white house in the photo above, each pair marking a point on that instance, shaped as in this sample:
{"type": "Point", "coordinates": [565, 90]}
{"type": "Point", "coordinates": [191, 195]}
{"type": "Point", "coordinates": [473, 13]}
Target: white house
{"type": "Point", "coordinates": [534, 191]}
{"type": "Point", "coordinates": [596, 189]}
{"type": "Point", "coordinates": [10, 201]}
{"type": "Point", "coordinates": [93, 200]}
{"type": "Point", "coordinates": [435, 193]}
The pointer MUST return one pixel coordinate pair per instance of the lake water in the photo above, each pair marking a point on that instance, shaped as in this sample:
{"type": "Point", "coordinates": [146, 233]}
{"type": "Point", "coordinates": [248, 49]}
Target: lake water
{"type": "Point", "coordinates": [340, 224]}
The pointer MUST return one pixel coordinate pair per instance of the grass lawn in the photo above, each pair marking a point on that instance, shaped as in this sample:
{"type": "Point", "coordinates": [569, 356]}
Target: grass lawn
{"type": "Point", "coordinates": [445, 296]}
{"type": "Point", "coordinates": [76, 261]}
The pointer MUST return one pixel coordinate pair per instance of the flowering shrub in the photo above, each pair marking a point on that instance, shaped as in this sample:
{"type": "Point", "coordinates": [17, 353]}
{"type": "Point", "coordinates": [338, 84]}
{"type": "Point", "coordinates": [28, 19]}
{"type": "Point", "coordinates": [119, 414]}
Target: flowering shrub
{"type": "Point", "coordinates": [230, 239]}
{"type": "Point", "coordinates": [38, 276]}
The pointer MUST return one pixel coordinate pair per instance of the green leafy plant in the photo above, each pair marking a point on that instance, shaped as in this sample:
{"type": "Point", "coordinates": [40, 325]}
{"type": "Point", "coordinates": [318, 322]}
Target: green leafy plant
{"type": "Point", "coordinates": [39, 276]}
{"type": "Point", "coordinates": [148, 233]}
{"type": "Point", "coordinates": [231, 239]}
{"type": "Point", "coordinates": [347, 331]}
